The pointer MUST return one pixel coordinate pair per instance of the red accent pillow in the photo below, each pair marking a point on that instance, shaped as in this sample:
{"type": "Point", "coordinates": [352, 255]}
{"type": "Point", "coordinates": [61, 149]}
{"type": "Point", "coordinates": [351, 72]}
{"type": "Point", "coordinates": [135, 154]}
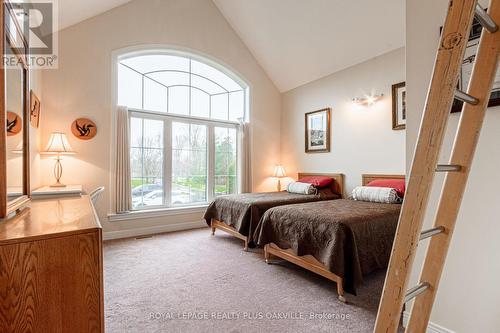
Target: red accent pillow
{"type": "Point", "coordinates": [318, 181]}
{"type": "Point", "coordinates": [398, 184]}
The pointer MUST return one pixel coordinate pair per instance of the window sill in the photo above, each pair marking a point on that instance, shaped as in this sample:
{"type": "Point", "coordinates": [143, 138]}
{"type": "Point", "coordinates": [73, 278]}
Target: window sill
{"type": "Point", "coordinates": [151, 213]}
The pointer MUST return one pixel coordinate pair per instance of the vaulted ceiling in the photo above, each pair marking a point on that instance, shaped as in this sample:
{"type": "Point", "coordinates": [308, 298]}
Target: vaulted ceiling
{"type": "Point", "coordinates": [298, 41]}
{"type": "Point", "coordinates": [74, 11]}
{"type": "Point", "coordinates": [295, 41]}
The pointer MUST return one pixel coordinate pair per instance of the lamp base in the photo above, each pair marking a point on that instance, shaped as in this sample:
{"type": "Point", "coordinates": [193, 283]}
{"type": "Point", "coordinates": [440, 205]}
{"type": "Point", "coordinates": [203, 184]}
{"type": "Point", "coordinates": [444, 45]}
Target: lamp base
{"type": "Point", "coordinates": [58, 184]}
{"type": "Point", "coordinates": [58, 173]}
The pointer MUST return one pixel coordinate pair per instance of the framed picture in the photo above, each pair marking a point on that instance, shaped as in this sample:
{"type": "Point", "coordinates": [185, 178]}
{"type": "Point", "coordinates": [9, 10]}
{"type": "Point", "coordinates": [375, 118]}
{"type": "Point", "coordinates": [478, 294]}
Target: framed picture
{"type": "Point", "coordinates": [468, 64]}
{"type": "Point", "coordinates": [318, 131]}
{"type": "Point", "coordinates": [34, 110]}
{"type": "Point", "coordinates": [399, 106]}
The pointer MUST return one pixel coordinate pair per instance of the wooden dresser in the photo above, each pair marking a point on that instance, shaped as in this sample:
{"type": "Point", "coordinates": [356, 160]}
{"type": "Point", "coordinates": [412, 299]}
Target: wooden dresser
{"type": "Point", "coordinates": [51, 268]}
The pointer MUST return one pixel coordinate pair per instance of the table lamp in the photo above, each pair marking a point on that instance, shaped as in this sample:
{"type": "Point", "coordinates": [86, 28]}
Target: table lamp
{"type": "Point", "coordinates": [58, 145]}
{"type": "Point", "coordinates": [279, 172]}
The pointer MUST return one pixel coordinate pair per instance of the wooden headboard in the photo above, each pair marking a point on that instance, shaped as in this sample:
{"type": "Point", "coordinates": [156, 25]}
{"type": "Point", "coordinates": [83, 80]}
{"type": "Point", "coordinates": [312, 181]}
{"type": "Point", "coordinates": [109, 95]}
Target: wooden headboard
{"type": "Point", "coordinates": [339, 179]}
{"type": "Point", "coordinates": [366, 178]}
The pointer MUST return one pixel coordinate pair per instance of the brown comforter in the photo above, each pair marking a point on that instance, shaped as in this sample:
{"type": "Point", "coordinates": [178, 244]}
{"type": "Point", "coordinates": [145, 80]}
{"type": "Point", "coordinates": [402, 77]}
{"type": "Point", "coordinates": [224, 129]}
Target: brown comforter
{"type": "Point", "coordinates": [243, 211]}
{"type": "Point", "coordinates": [351, 238]}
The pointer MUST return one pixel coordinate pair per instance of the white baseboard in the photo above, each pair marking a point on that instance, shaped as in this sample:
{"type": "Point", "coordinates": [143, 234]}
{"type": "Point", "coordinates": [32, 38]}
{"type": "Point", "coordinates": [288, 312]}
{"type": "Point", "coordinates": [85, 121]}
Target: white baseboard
{"type": "Point", "coordinates": [431, 328]}
{"type": "Point", "coordinates": [134, 232]}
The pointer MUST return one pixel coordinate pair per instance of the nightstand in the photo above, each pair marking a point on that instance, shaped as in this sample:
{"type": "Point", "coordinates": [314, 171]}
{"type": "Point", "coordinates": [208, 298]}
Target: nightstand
{"type": "Point", "coordinates": [46, 192]}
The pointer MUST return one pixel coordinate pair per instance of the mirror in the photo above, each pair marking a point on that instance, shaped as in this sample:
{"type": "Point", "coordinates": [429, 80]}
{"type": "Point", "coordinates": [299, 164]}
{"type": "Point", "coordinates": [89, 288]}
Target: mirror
{"type": "Point", "coordinates": [14, 106]}
{"type": "Point", "coordinates": [14, 115]}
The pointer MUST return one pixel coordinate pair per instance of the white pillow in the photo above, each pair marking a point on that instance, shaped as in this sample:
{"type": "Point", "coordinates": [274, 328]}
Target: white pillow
{"type": "Point", "coordinates": [301, 188]}
{"type": "Point", "coordinates": [376, 194]}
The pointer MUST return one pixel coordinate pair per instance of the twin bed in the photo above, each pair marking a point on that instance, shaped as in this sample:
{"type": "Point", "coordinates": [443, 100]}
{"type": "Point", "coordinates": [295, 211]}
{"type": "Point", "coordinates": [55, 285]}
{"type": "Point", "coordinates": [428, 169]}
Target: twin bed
{"type": "Point", "coordinates": [339, 239]}
{"type": "Point", "coordinates": [239, 214]}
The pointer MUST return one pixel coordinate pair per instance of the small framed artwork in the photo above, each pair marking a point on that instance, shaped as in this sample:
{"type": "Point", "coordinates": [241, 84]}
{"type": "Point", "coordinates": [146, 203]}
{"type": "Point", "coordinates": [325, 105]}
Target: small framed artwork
{"type": "Point", "coordinates": [34, 110]}
{"type": "Point", "coordinates": [399, 106]}
{"type": "Point", "coordinates": [317, 131]}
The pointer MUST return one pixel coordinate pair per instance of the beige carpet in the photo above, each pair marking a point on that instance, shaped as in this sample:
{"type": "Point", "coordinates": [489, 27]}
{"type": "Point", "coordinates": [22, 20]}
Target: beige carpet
{"type": "Point", "coordinates": [192, 282]}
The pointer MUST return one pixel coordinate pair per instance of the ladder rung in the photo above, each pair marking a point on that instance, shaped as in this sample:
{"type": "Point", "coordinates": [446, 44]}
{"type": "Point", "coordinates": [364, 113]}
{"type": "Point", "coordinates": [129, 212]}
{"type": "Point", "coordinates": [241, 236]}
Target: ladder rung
{"type": "Point", "coordinates": [415, 291]}
{"type": "Point", "coordinates": [431, 232]}
{"type": "Point", "coordinates": [448, 168]}
{"type": "Point", "coordinates": [485, 20]}
{"type": "Point", "coordinates": [464, 97]}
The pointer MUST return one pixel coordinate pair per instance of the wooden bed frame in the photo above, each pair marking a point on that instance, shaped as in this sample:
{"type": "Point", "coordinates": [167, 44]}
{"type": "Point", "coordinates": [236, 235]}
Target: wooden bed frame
{"type": "Point", "coordinates": [309, 262]}
{"type": "Point", "coordinates": [216, 224]}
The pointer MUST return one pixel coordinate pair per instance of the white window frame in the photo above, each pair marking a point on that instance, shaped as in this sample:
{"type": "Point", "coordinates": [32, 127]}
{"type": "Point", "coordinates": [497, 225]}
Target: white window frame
{"type": "Point", "coordinates": [171, 49]}
{"type": "Point", "coordinates": [211, 124]}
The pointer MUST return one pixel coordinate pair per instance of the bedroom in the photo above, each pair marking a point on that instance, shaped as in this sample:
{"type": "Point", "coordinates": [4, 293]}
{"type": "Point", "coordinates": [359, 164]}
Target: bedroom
{"type": "Point", "coordinates": [272, 62]}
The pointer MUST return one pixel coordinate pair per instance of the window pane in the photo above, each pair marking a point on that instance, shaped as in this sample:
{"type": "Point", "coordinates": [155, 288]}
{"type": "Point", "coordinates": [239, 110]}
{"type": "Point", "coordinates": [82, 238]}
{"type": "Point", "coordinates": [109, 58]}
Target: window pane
{"type": "Point", "coordinates": [236, 105]}
{"type": "Point", "coordinates": [171, 78]}
{"type": "Point", "coordinates": [129, 87]}
{"type": "Point", "coordinates": [136, 162]}
{"type": "Point", "coordinates": [189, 163]}
{"type": "Point", "coordinates": [152, 163]}
{"type": "Point", "coordinates": [219, 105]}
{"type": "Point", "coordinates": [155, 62]}
{"type": "Point", "coordinates": [155, 96]}
{"type": "Point", "coordinates": [225, 161]}
{"type": "Point", "coordinates": [207, 85]}
{"type": "Point", "coordinates": [153, 133]}
{"type": "Point", "coordinates": [179, 85]}
{"type": "Point", "coordinates": [225, 139]}
{"type": "Point", "coordinates": [146, 158]}
{"type": "Point", "coordinates": [214, 74]}
{"type": "Point", "coordinates": [178, 100]}
{"type": "Point", "coordinates": [200, 103]}
{"type": "Point", "coordinates": [136, 132]}
{"type": "Point", "coordinates": [180, 135]}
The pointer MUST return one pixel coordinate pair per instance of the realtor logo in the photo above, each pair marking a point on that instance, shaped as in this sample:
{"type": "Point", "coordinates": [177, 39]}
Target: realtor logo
{"type": "Point", "coordinates": [31, 24]}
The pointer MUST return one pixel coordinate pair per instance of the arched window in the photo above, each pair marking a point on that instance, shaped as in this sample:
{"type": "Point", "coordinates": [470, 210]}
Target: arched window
{"type": "Point", "coordinates": [184, 122]}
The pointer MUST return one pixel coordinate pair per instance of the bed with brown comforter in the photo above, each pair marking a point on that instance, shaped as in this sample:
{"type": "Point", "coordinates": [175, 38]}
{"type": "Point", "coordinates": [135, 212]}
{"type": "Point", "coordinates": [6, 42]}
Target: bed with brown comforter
{"type": "Point", "coordinates": [243, 211]}
{"type": "Point", "coordinates": [350, 238]}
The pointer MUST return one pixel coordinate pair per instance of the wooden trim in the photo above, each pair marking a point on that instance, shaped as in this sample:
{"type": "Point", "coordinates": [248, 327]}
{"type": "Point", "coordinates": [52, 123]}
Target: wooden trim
{"type": "Point", "coordinates": [216, 224]}
{"type": "Point", "coordinates": [428, 148]}
{"type": "Point", "coordinates": [26, 134]}
{"type": "Point", "coordinates": [328, 131]}
{"type": "Point", "coordinates": [308, 262]}
{"type": "Point", "coordinates": [394, 92]}
{"type": "Point", "coordinates": [366, 178]}
{"type": "Point", "coordinates": [3, 117]}
{"type": "Point", "coordinates": [7, 208]}
{"type": "Point", "coordinates": [339, 179]}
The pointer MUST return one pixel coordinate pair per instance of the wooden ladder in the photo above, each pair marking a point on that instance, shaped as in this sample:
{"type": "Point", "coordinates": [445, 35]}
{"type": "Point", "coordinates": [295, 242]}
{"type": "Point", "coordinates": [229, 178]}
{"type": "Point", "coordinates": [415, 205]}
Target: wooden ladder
{"type": "Point", "coordinates": [440, 96]}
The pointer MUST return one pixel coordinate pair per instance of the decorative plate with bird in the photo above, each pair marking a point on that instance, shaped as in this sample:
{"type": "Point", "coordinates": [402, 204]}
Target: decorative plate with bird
{"type": "Point", "coordinates": [84, 129]}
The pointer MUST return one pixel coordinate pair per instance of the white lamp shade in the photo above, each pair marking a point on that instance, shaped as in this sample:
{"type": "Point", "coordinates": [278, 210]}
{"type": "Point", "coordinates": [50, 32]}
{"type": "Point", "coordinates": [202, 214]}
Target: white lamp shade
{"type": "Point", "coordinates": [58, 144]}
{"type": "Point", "coordinates": [279, 171]}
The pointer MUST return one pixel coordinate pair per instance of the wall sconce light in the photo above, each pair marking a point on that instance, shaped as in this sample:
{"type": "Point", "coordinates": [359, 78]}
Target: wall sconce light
{"type": "Point", "coordinates": [368, 100]}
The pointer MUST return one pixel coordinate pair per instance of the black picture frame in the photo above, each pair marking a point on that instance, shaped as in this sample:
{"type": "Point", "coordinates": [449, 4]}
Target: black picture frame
{"type": "Point", "coordinates": [471, 50]}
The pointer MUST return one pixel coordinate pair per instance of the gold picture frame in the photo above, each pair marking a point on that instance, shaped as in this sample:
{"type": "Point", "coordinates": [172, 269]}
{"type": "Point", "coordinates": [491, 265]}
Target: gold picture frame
{"type": "Point", "coordinates": [317, 131]}
{"type": "Point", "coordinates": [399, 106]}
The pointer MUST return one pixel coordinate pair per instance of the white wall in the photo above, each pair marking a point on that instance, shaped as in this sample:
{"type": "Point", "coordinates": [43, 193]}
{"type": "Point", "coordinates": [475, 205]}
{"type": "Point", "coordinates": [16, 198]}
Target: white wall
{"type": "Point", "coordinates": [81, 87]}
{"type": "Point", "coordinates": [362, 139]}
{"type": "Point", "coordinates": [468, 296]}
